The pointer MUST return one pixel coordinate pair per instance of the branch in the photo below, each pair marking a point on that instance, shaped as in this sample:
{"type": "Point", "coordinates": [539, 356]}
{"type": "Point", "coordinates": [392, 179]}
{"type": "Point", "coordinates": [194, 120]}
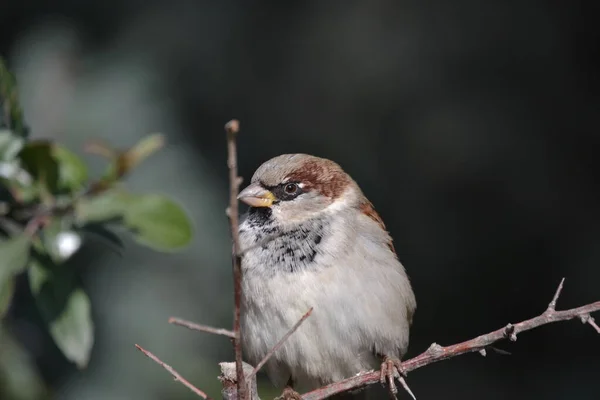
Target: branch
{"type": "Point", "coordinates": [174, 373]}
{"type": "Point", "coordinates": [228, 380]}
{"type": "Point", "coordinates": [436, 353]}
{"type": "Point", "coordinates": [232, 128]}
{"type": "Point", "coordinates": [280, 343]}
{"type": "Point", "coordinates": [202, 328]}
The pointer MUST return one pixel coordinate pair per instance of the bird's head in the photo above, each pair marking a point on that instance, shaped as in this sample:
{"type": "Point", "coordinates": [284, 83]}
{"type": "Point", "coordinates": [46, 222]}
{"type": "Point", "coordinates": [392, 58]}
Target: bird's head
{"type": "Point", "coordinates": [293, 188]}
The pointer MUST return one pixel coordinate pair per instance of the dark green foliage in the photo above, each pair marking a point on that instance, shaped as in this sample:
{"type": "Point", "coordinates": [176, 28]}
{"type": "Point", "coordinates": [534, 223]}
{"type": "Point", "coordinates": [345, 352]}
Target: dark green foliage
{"type": "Point", "coordinates": [48, 202]}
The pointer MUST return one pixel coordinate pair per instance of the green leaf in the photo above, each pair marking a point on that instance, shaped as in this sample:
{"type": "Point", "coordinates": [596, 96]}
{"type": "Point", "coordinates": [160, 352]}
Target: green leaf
{"type": "Point", "coordinates": [10, 167]}
{"type": "Point", "coordinates": [65, 307]}
{"type": "Point", "coordinates": [10, 145]}
{"type": "Point", "coordinates": [102, 207]}
{"type": "Point", "coordinates": [123, 162]}
{"type": "Point", "coordinates": [103, 232]}
{"type": "Point", "coordinates": [72, 171]}
{"type": "Point", "coordinates": [144, 149]}
{"type": "Point", "coordinates": [158, 222]}
{"type": "Point", "coordinates": [154, 220]}
{"type": "Point", "coordinates": [18, 373]}
{"type": "Point", "coordinates": [14, 254]}
{"type": "Point", "coordinates": [54, 166]}
{"type": "Point", "coordinates": [38, 160]}
{"type": "Point", "coordinates": [23, 192]}
{"type": "Point", "coordinates": [7, 289]}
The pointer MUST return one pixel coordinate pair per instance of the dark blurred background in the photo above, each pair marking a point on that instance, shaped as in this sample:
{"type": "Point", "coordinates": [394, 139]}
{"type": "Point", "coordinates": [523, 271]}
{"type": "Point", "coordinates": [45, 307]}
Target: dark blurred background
{"type": "Point", "coordinates": [472, 126]}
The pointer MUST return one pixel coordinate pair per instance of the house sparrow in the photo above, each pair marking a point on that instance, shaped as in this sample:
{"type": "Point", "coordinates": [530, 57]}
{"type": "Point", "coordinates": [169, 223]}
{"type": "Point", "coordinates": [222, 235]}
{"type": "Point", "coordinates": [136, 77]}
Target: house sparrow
{"type": "Point", "coordinates": [329, 250]}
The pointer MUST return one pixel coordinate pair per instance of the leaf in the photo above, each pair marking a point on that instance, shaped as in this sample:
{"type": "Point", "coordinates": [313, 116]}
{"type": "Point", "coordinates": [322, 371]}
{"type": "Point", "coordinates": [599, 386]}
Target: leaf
{"type": "Point", "coordinates": [14, 254]}
{"type": "Point", "coordinates": [10, 145]}
{"type": "Point", "coordinates": [7, 289]}
{"type": "Point", "coordinates": [101, 207]}
{"type": "Point", "coordinates": [65, 307]}
{"type": "Point", "coordinates": [144, 149]}
{"type": "Point", "coordinates": [72, 171]}
{"type": "Point", "coordinates": [20, 378]}
{"type": "Point", "coordinates": [21, 190]}
{"type": "Point", "coordinates": [10, 168]}
{"type": "Point", "coordinates": [102, 231]}
{"type": "Point", "coordinates": [158, 222]}
{"type": "Point", "coordinates": [122, 163]}
{"type": "Point", "coordinates": [54, 166]}
{"type": "Point", "coordinates": [38, 160]}
{"type": "Point", "coordinates": [155, 220]}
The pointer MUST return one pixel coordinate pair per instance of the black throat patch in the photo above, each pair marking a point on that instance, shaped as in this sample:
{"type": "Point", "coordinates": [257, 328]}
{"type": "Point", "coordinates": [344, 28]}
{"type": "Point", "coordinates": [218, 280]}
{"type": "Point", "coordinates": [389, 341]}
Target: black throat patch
{"type": "Point", "coordinates": [288, 250]}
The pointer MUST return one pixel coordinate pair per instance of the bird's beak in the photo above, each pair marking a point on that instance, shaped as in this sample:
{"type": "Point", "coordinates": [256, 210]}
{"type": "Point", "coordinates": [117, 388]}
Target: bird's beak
{"type": "Point", "coordinates": [256, 196]}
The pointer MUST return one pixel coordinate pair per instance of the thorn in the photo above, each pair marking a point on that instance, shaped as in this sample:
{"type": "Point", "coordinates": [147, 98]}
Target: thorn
{"type": "Point", "coordinates": [239, 181]}
{"type": "Point", "coordinates": [588, 319]}
{"type": "Point", "coordinates": [405, 386]}
{"type": "Point", "coordinates": [552, 305]}
{"type": "Point", "coordinates": [228, 212]}
{"type": "Point", "coordinates": [509, 332]}
{"type": "Point", "coordinates": [434, 348]}
{"type": "Point", "coordinates": [232, 127]}
{"type": "Point", "coordinates": [482, 352]}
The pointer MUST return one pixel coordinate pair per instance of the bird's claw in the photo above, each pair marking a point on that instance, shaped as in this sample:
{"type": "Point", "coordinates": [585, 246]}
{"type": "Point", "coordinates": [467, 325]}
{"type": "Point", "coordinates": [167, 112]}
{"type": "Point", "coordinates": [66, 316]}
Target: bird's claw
{"type": "Point", "coordinates": [289, 394]}
{"type": "Point", "coordinates": [391, 369]}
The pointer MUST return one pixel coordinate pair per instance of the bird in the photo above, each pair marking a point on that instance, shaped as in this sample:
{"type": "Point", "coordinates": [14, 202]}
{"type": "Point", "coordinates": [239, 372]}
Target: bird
{"type": "Point", "coordinates": [313, 240]}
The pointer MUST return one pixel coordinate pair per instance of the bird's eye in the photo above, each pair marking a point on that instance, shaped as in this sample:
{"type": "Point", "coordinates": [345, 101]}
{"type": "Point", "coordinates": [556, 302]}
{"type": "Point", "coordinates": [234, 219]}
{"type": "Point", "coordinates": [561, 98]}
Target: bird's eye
{"type": "Point", "coordinates": [290, 188]}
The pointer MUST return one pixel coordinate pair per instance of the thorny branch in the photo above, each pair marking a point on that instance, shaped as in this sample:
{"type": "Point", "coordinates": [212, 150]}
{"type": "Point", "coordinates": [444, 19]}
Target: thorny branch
{"type": "Point", "coordinates": [174, 373]}
{"type": "Point", "coordinates": [436, 353]}
{"type": "Point", "coordinates": [433, 354]}
{"type": "Point", "coordinates": [232, 128]}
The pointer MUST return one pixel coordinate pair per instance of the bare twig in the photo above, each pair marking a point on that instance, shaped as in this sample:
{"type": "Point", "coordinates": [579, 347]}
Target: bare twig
{"type": "Point", "coordinates": [437, 353]}
{"type": "Point", "coordinates": [587, 319]}
{"type": "Point", "coordinates": [232, 128]}
{"type": "Point", "coordinates": [552, 305]}
{"type": "Point", "coordinates": [202, 328]}
{"type": "Point", "coordinates": [280, 343]}
{"type": "Point", "coordinates": [174, 373]}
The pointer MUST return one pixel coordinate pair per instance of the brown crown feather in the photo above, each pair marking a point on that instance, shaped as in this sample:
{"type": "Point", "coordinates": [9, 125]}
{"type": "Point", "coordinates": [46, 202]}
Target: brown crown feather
{"type": "Point", "coordinates": [321, 175]}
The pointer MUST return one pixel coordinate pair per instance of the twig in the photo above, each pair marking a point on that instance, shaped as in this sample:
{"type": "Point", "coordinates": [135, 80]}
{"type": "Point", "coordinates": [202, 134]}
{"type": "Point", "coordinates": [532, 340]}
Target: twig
{"type": "Point", "coordinates": [232, 128]}
{"type": "Point", "coordinates": [36, 223]}
{"type": "Point", "coordinates": [552, 305]}
{"type": "Point", "coordinates": [279, 344]}
{"type": "Point", "coordinates": [202, 328]}
{"type": "Point", "coordinates": [437, 353]}
{"type": "Point", "coordinates": [587, 319]}
{"type": "Point", "coordinates": [174, 373]}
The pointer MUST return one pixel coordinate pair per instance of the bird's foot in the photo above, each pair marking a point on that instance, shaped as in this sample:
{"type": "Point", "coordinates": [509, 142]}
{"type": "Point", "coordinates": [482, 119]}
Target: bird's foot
{"type": "Point", "coordinates": [392, 368]}
{"type": "Point", "coordinates": [289, 394]}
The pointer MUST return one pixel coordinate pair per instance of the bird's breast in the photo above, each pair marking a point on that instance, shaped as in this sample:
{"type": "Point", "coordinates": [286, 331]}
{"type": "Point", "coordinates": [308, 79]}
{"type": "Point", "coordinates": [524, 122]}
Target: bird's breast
{"type": "Point", "coordinates": [274, 250]}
